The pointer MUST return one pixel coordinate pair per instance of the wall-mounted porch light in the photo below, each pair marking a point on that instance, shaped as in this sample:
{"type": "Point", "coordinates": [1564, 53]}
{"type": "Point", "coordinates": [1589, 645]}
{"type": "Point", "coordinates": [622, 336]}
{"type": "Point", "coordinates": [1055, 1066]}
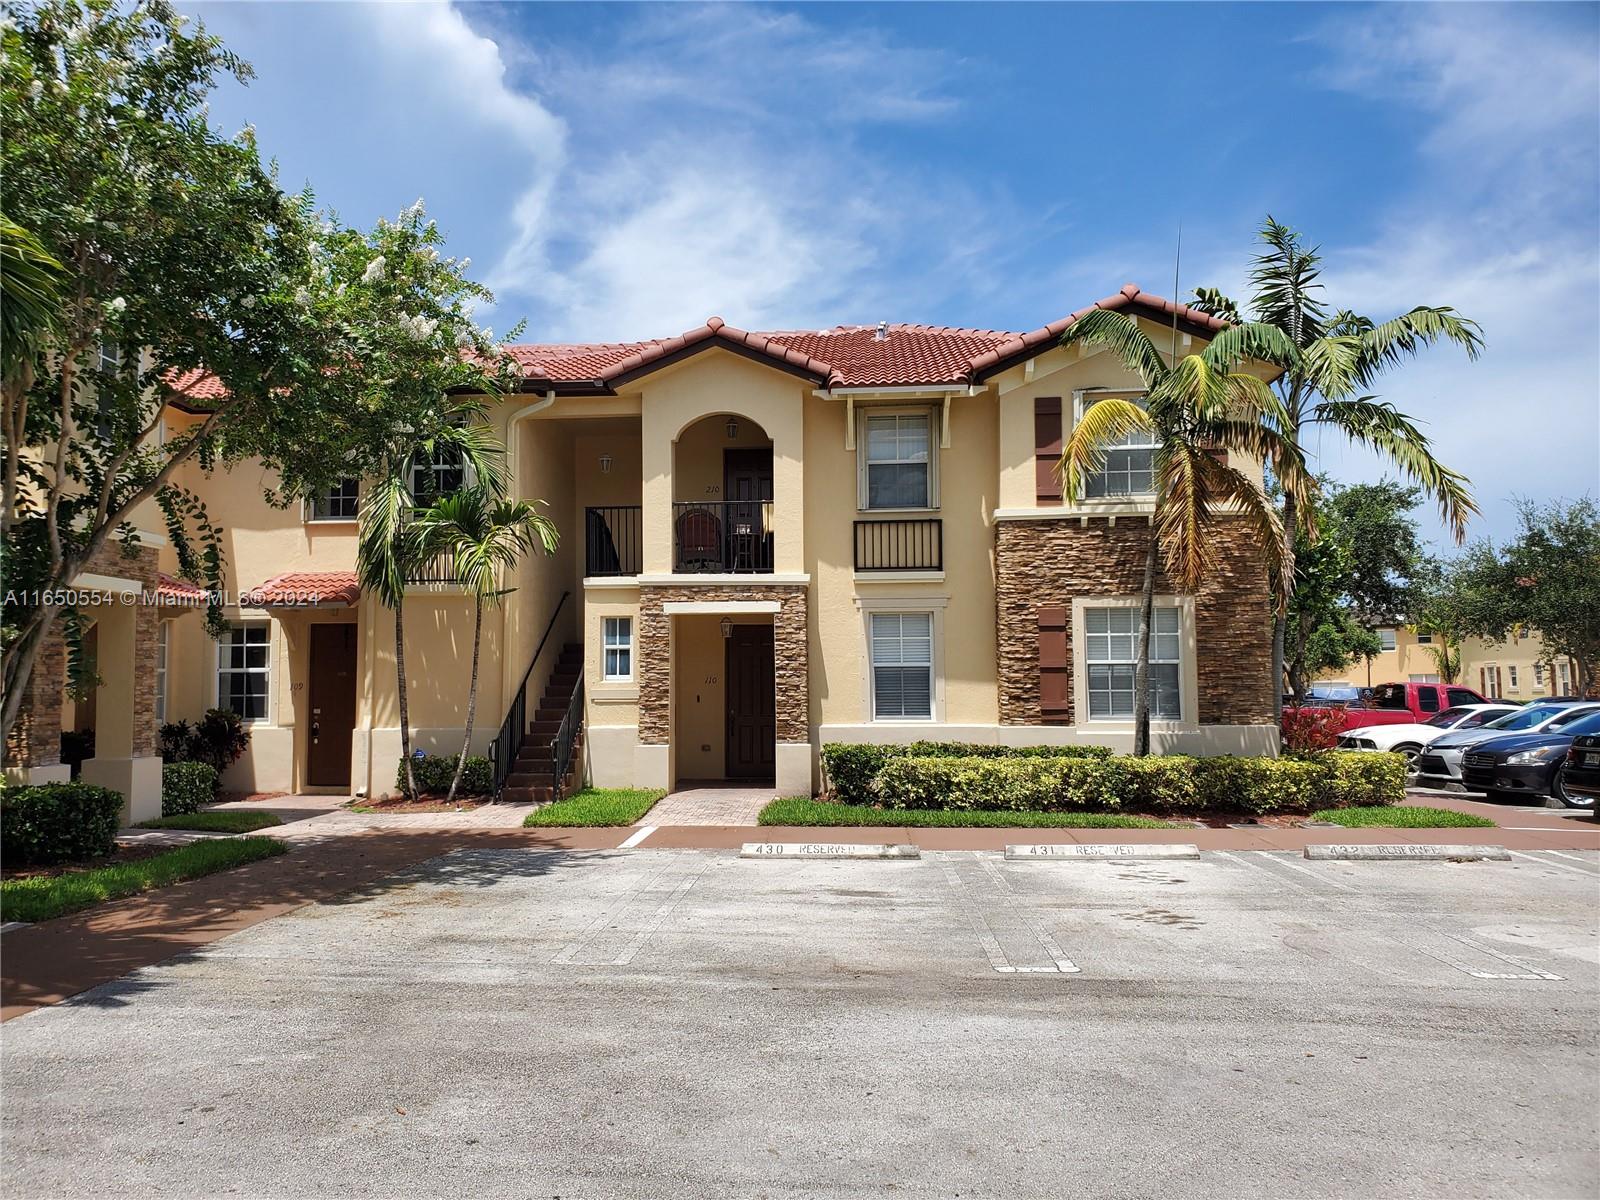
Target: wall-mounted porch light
{"type": "Point", "coordinates": [733, 429]}
{"type": "Point", "coordinates": [727, 625]}
{"type": "Point", "coordinates": [605, 464]}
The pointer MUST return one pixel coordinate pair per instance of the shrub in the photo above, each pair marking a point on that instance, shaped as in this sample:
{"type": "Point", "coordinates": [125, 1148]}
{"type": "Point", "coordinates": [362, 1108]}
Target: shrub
{"type": "Point", "coordinates": [1361, 778]}
{"type": "Point", "coordinates": [217, 739]}
{"type": "Point", "coordinates": [1308, 730]}
{"type": "Point", "coordinates": [175, 739]}
{"type": "Point", "coordinates": [433, 773]}
{"type": "Point", "coordinates": [58, 822]}
{"type": "Point", "coordinates": [853, 768]}
{"type": "Point", "coordinates": [186, 786]}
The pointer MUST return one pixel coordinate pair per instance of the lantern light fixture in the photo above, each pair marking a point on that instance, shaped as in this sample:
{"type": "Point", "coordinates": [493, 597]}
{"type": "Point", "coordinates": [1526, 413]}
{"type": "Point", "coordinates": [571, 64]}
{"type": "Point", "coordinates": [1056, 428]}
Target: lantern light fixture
{"type": "Point", "coordinates": [733, 429]}
{"type": "Point", "coordinates": [727, 627]}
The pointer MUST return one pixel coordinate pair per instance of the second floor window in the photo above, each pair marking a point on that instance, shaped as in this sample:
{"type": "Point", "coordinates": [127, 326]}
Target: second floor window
{"type": "Point", "coordinates": [437, 476]}
{"type": "Point", "coordinates": [897, 458]}
{"type": "Point", "coordinates": [1129, 466]}
{"type": "Point", "coordinates": [341, 502]}
{"type": "Point", "coordinates": [1386, 639]}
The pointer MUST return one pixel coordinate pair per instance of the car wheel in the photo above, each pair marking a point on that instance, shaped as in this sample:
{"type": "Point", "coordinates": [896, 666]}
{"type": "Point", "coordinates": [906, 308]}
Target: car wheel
{"type": "Point", "coordinates": [1559, 789]}
{"type": "Point", "coordinates": [1409, 751]}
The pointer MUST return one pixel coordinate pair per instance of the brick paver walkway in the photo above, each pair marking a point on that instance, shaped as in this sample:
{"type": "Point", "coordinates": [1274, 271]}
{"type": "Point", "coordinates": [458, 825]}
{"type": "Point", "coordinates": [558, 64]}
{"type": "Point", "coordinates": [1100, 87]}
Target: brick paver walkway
{"type": "Point", "coordinates": [710, 804]}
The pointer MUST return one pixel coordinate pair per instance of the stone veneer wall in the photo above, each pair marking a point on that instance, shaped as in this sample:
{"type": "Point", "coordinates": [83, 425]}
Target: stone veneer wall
{"type": "Point", "coordinates": [789, 644]}
{"type": "Point", "coordinates": [35, 739]}
{"type": "Point", "coordinates": [1053, 562]}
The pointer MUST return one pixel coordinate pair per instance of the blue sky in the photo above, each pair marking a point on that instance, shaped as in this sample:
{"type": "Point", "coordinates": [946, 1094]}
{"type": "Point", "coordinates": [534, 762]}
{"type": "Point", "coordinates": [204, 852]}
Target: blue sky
{"type": "Point", "coordinates": [627, 171]}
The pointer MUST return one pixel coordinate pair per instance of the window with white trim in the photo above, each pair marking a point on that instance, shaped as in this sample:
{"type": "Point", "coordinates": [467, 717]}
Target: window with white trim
{"type": "Point", "coordinates": [109, 358]}
{"type": "Point", "coordinates": [341, 502]}
{"type": "Point", "coordinates": [163, 636]}
{"type": "Point", "coordinates": [898, 465]}
{"type": "Point", "coordinates": [1511, 676]}
{"type": "Point", "coordinates": [617, 647]}
{"type": "Point", "coordinates": [1538, 674]}
{"type": "Point", "coordinates": [1129, 465]}
{"type": "Point", "coordinates": [244, 670]}
{"type": "Point", "coordinates": [1386, 639]}
{"type": "Point", "coordinates": [1564, 674]}
{"type": "Point", "coordinates": [1424, 639]}
{"type": "Point", "coordinates": [901, 649]}
{"type": "Point", "coordinates": [440, 475]}
{"type": "Point", "coordinates": [1111, 649]}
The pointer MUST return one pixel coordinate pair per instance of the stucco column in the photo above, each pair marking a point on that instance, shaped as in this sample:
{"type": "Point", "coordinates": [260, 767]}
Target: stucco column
{"type": "Point", "coordinates": [122, 761]}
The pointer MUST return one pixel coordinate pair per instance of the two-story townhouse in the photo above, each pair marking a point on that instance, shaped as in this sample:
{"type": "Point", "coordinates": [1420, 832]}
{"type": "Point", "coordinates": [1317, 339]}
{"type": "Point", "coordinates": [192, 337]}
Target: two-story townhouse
{"type": "Point", "coordinates": [769, 541]}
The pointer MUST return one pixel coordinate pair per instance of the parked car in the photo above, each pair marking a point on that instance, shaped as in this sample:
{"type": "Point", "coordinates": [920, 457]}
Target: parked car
{"type": "Point", "coordinates": [1440, 763]}
{"type": "Point", "coordinates": [1528, 764]}
{"type": "Point", "coordinates": [1402, 703]}
{"type": "Point", "coordinates": [1409, 739]}
{"type": "Point", "coordinates": [1582, 778]}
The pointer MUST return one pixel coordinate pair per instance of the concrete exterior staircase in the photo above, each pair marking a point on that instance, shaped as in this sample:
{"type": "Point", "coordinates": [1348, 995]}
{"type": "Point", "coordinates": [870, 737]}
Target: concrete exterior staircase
{"type": "Point", "coordinates": [531, 778]}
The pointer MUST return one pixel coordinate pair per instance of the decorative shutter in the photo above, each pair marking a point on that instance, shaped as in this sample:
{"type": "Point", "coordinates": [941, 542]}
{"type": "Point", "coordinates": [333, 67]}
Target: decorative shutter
{"type": "Point", "coordinates": [1046, 449]}
{"type": "Point", "coordinates": [1055, 673]}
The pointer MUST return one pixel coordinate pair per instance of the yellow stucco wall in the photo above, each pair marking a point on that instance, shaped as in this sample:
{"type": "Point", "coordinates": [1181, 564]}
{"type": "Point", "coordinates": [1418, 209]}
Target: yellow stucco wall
{"type": "Point", "coordinates": [1537, 673]}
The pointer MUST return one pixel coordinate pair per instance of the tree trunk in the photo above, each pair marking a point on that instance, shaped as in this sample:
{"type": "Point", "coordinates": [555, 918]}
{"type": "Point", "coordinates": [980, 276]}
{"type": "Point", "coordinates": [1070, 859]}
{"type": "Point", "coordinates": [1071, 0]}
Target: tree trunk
{"type": "Point", "coordinates": [472, 698]}
{"type": "Point", "coordinates": [1280, 620]}
{"type": "Point", "coordinates": [405, 709]}
{"type": "Point", "coordinates": [1141, 670]}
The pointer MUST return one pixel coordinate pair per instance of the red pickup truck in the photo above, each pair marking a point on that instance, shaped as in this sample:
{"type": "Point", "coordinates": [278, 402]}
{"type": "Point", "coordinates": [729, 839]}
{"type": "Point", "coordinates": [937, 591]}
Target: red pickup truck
{"type": "Point", "coordinates": [1403, 703]}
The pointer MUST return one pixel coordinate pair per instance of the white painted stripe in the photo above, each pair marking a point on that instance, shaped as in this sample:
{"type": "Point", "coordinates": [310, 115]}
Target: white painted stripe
{"type": "Point", "coordinates": [1256, 858]}
{"type": "Point", "coordinates": [1563, 854]}
{"type": "Point", "coordinates": [1545, 862]}
{"type": "Point", "coordinates": [638, 837]}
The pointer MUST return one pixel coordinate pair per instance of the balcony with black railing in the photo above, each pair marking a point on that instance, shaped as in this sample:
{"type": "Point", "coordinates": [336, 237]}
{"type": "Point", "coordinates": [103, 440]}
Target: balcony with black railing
{"type": "Point", "coordinates": [722, 537]}
{"type": "Point", "coordinates": [911, 544]}
{"type": "Point", "coordinates": [612, 541]}
{"type": "Point", "coordinates": [440, 568]}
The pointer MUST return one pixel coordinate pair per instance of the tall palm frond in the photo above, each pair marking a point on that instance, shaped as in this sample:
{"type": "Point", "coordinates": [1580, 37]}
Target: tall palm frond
{"type": "Point", "coordinates": [1238, 489]}
{"type": "Point", "coordinates": [1122, 336]}
{"type": "Point", "coordinates": [30, 282]}
{"type": "Point", "coordinates": [1212, 300]}
{"type": "Point", "coordinates": [1251, 341]}
{"type": "Point", "coordinates": [1391, 342]}
{"type": "Point", "coordinates": [1184, 515]}
{"type": "Point", "coordinates": [1103, 423]}
{"type": "Point", "coordinates": [386, 545]}
{"type": "Point", "coordinates": [1285, 280]}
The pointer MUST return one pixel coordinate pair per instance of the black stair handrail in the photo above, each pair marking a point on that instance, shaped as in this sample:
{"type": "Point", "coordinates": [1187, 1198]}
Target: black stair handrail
{"type": "Point", "coordinates": [566, 736]}
{"type": "Point", "coordinates": [508, 742]}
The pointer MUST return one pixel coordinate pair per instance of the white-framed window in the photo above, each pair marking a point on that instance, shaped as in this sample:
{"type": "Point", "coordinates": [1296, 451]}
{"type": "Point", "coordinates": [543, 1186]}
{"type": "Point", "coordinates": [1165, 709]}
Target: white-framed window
{"type": "Point", "coordinates": [1511, 677]}
{"type": "Point", "coordinates": [617, 646]}
{"type": "Point", "coordinates": [1111, 652]}
{"type": "Point", "coordinates": [437, 476]}
{"type": "Point", "coordinates": [1426, 678]}
{"type": "Point", "coordinates": [1424, 639]}
{"type": "Point", "coordinates": [900, 645]}
{"type": "Point", "coordinates": [163, 638]}
{"type": "Point", "coordinates": [341, 502]}
{"type": "Point", "coordinates": [109, 358]}
{"type": "Point", "coordinates": [1538, 674]}
{"type": "Point", "coordinates": [1130, 460]}
{"type": "Point", "coordinates": [1386, 639]}
{"type": "Point", "coordinates": [244, 669]}
{"type": "Point", "coordinates": [898, 459]}
{"type": "Point", "coordinates": [1564, 674]}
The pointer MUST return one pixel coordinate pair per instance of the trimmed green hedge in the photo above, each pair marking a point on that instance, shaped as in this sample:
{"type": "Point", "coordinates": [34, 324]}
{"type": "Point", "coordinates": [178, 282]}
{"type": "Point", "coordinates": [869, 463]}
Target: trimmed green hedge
{"type": "Point", "coordinates": [433, 773]}
{"type": "Point", "coordinates": [1161, 785]}
{"type": "Point", "coordinates": [58, 822]}
{"type": "Point", "coordinates": [186, 786]}
{"type": "Point", "coordinates": [853, 768]}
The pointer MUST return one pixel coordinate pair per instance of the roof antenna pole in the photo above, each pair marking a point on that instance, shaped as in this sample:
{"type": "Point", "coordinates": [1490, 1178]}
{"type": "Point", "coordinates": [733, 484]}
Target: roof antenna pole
{"type": "Point", "coordinates": [1177, 260]}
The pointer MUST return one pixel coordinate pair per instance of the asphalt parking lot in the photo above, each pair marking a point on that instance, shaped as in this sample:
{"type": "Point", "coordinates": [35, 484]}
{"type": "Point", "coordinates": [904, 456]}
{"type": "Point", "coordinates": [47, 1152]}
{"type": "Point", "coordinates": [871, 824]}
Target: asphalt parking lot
{"type": "Point", "coordinates": [689, 1023]}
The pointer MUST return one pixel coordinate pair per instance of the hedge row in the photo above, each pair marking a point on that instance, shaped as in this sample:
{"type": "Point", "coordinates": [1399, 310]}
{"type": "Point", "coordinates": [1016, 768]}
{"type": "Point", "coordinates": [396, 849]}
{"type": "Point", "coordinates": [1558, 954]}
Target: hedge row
{"type": "Point", "coordinates": [186, 787]}
{"type": "Point", "coordinates": [853, 769]}
{"type": "Point", "coordinates": [433, 773]}
{"type": "Point", "coordinates": [1157, 785]}
{"type": "Point", "coordinates": [58, 822]}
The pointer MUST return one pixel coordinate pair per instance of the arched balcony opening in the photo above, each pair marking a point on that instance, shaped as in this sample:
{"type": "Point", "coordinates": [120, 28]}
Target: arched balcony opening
{"type": "Point", "coordinates": [722, 510]}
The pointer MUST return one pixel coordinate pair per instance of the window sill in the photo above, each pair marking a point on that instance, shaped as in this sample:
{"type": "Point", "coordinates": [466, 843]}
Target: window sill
{"type": "Point", "coordinates": [898, 576]}
{"type": "Point", "coordinates": [924, 509]}
{"type": "Point", "coordinates": [615, 692]}
{"type": "Point", "coordinates": [333, 521]}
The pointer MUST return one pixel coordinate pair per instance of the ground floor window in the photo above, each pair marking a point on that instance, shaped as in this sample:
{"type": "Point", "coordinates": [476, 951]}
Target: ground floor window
{"type": "Point", "coordinates": [163, 633]}
{"type": "Point", "coordinates": [243, 670]}
{"type": "Point", "coordinates": [618, 644]}
{"type": "Point", "coordinates": [1111, 637]}
{"type": "Point", "coordinates": [901, 648]}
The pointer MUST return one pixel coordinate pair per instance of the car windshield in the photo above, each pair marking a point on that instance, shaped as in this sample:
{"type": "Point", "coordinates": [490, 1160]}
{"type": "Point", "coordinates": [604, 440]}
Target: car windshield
{"type": "Point", "coordinates": [1525, 718]}
{"type": "Point", "coordinates": [1448, 718]}
{"type": "Point", "coordinates": [1574, 721]}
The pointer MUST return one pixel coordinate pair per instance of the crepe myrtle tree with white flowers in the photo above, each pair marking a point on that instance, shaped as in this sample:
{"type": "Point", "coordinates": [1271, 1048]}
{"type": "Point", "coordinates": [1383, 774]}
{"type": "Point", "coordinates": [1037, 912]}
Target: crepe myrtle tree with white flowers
{"type": "Point", "coordinates": [409, 391]}
{"type": "Point", "coordinates": [165, 246]}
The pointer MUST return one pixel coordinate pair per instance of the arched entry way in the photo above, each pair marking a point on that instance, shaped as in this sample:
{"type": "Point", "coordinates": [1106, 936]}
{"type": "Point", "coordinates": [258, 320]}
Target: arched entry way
{"type": "Point", "coordinates": [722, 497]}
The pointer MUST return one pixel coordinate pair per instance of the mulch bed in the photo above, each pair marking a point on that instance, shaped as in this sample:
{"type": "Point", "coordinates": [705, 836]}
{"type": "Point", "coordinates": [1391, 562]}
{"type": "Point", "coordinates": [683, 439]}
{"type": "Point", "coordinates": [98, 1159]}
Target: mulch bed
{"type": "Point", "coordinates": [124, 854]}
{"type": "Point", "coordinates": [424, 804]}
{"type": "Point", "coordinates": [1269, 821]}
{"type": "Point", "coordinates": [250, 797]}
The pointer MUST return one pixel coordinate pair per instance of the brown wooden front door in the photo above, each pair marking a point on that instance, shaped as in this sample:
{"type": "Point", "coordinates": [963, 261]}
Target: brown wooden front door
{"type": "Point", "coordinates": [752, 728]}
{"type": "Point", "coordinates": [333, 705]}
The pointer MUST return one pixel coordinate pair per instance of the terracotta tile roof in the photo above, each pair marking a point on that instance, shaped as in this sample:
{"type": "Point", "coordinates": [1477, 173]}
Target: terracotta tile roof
{"type": "Point", "coordinates": [178, 591]}
{"type": "Point", "coordinates": [198, 384]}
{"type": "Point", "coordinates": [892, 355]}
{"type": "Point", "coordinates": [307, 589]}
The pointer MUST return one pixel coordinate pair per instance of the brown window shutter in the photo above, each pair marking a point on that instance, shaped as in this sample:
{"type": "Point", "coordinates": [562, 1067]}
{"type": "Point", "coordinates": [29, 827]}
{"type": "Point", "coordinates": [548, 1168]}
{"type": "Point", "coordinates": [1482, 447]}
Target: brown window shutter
{"type": "Point", "coordinates": [1055, 667]}
{"type": "Point", "coordinates": [1046, 449]}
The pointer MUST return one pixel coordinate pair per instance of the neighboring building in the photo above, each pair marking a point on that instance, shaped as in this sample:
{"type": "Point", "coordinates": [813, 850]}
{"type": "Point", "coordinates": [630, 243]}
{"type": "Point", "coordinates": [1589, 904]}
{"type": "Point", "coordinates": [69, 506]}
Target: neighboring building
{"type": "Point", "coordinates": [768, 541]}
{"type": "Point", "coordinates": [1518, 669]}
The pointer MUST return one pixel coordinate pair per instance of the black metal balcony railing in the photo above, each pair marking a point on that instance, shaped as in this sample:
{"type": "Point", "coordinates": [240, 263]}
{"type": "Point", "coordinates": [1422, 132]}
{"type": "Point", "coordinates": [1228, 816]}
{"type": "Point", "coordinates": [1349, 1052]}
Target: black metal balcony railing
{"type": "Point", "coordinates": [612, 544]}
{"type": "Point", "coordinates": [441, 568]}
{"type": "Point", "coordinates": [722, 536]}
{"type": "Point", "coordinates": [907, 545]}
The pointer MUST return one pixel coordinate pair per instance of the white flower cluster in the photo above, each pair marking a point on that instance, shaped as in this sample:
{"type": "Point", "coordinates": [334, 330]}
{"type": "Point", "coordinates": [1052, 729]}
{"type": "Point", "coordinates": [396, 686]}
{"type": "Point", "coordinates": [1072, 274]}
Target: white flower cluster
{"type": "Point", "coordinates": [302, 297]}
{"type": "Point", "coordinates": [374, 271]}
{"type": "Point", "coordinates": [416, 210]}
{"type": "Point", "coordinates": [418, 328]}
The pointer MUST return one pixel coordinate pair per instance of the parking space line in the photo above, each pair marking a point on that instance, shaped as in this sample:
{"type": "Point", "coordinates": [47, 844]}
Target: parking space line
{"type": "Point", "coordinates": [1588, 862]}
{"type": "Point", "coordinates": [638, 837]}
{"type": "Point", "coordinates": [1543, 862]}
{"type": "Point", "coordinates": [613, 915]}
{"type": "Point", "coordinates": [985, 933]}
{"type": "Point", "coordinates": [1052, 947]}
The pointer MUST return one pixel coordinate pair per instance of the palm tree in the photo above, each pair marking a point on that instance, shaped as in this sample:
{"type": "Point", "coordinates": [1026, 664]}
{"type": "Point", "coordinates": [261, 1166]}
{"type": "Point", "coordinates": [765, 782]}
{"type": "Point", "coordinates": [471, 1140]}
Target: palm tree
{"type": "Point", "coordinates": [486, 535]}
{"type": "Point", "coordinates": [1193, 407]}
{"type": "Point", "coordinates": [389, 548]}
{"type": "Point", "coordinates": [1336, 358]}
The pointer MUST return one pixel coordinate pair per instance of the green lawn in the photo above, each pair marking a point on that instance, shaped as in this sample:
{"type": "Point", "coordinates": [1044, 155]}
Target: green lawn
{"type": "Point", "coordinates": [1402, 817]}
{"type": "Point", "coordinates": [597, 806]}
{"type": "Point", "coordinates": [228, 821]}
{"type": "Point", "coordinates": [800, 810]}
{"type": "Point", "coordinates": [46, 896]}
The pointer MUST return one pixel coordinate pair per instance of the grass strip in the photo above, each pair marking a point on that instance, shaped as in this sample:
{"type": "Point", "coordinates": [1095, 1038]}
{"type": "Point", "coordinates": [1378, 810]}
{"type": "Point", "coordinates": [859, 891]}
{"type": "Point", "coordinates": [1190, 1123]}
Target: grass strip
{"type": "Point", "coordinates": [1408, 816]}
{"type": "Point", "coordinates": [800, 810]}
{"type": "Point", "coordinates": [45, 896]}
{"type": "Point", "coordinates": [596, 806]}
{"type": "Point", "coordinates": [228, 821]}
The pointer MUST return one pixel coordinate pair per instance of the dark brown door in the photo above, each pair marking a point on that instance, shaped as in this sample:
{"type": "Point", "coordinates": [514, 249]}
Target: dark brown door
{"type": "Point", "coordinates": [747, 490]}
{"type": "Point", "coordinates": [752, 730]}
{"type": "Point", "coordinates": [333, 705]}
